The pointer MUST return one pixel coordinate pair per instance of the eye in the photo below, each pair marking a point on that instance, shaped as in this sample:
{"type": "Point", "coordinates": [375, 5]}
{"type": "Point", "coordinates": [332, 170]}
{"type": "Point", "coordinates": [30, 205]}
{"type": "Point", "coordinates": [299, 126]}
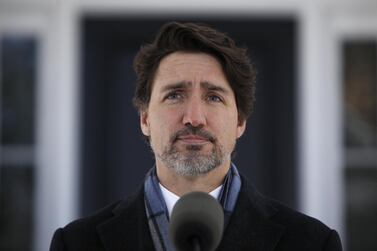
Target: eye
{"type": "Point", "coordinates": [214, 98]}
{"type": "Point", "coordinates": [174, 96]}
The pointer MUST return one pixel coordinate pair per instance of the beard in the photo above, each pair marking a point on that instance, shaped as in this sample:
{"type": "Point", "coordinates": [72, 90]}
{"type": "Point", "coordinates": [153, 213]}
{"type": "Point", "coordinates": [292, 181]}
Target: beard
{"type": "Point", "coordinates": [191, 161]}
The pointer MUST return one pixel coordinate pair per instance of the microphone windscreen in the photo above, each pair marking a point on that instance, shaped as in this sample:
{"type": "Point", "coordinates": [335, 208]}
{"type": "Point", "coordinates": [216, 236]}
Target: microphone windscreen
{"type": "Point", "coordinates": [199, 216]}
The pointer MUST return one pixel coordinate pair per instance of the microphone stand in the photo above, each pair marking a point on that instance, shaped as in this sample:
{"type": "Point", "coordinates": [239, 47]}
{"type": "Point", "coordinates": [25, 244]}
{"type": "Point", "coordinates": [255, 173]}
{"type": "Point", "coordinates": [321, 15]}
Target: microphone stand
{"type": "Point", "coordinates": [195, 243]}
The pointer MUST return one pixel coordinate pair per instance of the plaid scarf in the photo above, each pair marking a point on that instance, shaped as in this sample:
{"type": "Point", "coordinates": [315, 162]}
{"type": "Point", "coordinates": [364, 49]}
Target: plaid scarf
{"type": "Point", "coordinates": [157, 212]}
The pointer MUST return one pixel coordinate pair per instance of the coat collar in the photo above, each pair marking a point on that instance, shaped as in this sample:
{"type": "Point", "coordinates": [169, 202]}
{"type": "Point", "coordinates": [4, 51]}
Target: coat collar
{"type": "Point", "coordinates": [249, 228]}
{"type": "Point", "coordinates": [128, 228]}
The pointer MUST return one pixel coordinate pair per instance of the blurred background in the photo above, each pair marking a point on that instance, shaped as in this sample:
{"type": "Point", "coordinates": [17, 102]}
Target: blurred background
{"type": "Point", "coordinates": [70, 141]}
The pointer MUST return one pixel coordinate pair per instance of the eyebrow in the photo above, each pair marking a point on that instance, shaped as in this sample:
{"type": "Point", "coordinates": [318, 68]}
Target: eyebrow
{"type": "Point", "coordinates": [175, 86]}
{"type": "Point", "coordinates": [213, 87]}
{"type": "Point", "coordinates": [184, 84]}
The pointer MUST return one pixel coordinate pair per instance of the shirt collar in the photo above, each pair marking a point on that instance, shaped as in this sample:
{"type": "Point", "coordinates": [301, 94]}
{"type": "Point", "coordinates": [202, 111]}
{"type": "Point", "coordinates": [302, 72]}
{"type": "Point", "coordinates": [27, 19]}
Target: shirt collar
{"type": "Point", "coordinates": [171, 198]}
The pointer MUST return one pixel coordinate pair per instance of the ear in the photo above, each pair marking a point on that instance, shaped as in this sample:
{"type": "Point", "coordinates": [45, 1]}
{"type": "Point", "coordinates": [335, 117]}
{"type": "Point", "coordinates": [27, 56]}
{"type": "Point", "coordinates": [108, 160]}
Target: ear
{"type": "Point", "coordinates": [144, 123]}
{"type": "Point", "coordinates": [241, 128]}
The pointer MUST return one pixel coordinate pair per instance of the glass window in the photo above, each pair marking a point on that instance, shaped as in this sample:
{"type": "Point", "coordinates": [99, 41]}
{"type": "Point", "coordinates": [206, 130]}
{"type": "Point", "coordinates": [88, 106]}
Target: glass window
{"type": "Point", "coordinates": [18, 58]}
{"type": "Point", "coordinates": [360, 123]}
{"type": "Point", "coordinates": [16, 207]}
{"type": "Point", "coordinates": [361, 205]}
{"type": "Point", "coordinates": [17, 97]}
{"type": "Point", "coordinates": [360, 93]}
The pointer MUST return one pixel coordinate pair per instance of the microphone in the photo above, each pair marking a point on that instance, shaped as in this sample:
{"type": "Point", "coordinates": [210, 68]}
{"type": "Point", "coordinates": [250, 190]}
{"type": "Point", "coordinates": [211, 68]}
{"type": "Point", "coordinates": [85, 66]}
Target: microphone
{"type": "Point", "coordinates": [196, 223]}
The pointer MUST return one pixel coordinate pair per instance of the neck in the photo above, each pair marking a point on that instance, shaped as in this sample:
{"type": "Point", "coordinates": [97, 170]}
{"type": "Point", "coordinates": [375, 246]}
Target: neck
{"type": "Point", "coordinates": [181, 185]}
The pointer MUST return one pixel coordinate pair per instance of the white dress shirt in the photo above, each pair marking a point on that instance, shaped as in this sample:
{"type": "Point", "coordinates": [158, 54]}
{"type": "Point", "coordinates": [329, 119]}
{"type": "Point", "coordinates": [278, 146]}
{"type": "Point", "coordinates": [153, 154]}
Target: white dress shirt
{"type": "Point", "coordinates": [171, 198]}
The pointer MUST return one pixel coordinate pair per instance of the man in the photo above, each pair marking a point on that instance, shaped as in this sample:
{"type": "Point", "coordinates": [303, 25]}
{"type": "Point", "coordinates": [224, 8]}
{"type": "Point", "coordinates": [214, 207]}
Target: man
{"type": "Point", "coordinates": [194, 93]}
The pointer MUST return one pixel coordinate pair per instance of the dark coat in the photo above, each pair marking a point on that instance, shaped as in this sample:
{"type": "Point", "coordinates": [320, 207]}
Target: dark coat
{"type": "Point", "coordinates": [257, 224]}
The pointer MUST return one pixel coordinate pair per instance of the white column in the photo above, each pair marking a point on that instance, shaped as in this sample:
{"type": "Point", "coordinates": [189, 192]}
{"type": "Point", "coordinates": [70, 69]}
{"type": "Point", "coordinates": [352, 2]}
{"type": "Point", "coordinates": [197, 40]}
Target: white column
{"type": "Point", "coordinates": [57, 135]}
{"type": "Point", "coordinates": [320, 149]}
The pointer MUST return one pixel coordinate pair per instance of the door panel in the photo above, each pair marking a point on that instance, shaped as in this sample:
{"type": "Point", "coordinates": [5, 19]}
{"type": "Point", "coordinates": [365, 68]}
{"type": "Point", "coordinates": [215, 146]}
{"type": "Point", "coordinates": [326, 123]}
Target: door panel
{"type": "Point", "coordinates": [114, 156]}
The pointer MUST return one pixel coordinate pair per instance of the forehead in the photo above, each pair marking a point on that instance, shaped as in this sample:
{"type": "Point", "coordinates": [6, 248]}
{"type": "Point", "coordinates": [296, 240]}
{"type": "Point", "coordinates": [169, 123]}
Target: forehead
{"type": "Point", "coordinates": [195, 68]}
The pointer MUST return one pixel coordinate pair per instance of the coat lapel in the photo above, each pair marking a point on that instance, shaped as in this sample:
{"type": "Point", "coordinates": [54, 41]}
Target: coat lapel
{"type": "Point", "coordinates": [128, 229]}
{"type": "Point", "coordinates": [250, 227]}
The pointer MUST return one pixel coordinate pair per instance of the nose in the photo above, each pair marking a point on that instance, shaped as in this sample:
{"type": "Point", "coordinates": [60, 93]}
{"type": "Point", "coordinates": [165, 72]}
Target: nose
{"type": "Point", "coordinates": [194, 114]}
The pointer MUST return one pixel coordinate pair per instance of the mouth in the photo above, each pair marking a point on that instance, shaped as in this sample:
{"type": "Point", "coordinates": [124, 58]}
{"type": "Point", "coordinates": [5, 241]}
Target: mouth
{"type": "Point", "coordinates": [193, 140]}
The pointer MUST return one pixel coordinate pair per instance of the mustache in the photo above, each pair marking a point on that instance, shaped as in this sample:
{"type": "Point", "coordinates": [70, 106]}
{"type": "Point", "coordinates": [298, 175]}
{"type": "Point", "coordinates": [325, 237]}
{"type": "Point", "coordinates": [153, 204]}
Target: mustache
{"type": "Point", "coordinates": [190, 130]}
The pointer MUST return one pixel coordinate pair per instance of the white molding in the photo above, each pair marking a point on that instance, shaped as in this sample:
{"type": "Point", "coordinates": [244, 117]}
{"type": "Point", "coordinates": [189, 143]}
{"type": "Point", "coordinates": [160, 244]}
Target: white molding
{"type": "Point", "coordinates": [56, 156]}
{"type": "Point", "coordinates": [360, 158]}
{"type": "Point", "coordinates": [321, 160]}
{"type": "Point", "coordinates": [17, 156]}
{"type": "Point", "coordinates": [320, 24]}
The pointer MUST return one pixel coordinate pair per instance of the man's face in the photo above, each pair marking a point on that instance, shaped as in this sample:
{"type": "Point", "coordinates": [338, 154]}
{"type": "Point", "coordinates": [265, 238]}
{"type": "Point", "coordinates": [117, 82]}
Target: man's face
{"type": "Point", "coordinates": [192, 118]}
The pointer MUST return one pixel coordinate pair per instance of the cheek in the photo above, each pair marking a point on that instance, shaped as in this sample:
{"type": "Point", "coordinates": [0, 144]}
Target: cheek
{"type": "Point", "coordinates": [224, 122]}
{"type": "Point", "coordinates": [162, 126]}
{"type": "Point", "coordinates": [162, 120]}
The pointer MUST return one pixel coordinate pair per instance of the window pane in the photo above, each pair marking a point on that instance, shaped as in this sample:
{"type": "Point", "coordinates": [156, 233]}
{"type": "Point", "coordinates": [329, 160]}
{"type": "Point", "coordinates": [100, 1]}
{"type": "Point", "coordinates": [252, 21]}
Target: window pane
{"type": "Point", "coordinates": [361, 208]}
{"type": "Point", "coordinates": [359, 72]}
{"type": "Point", "coordinates": [18, 77]}
{"type": "Point", "coordinates": [16, 207]}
